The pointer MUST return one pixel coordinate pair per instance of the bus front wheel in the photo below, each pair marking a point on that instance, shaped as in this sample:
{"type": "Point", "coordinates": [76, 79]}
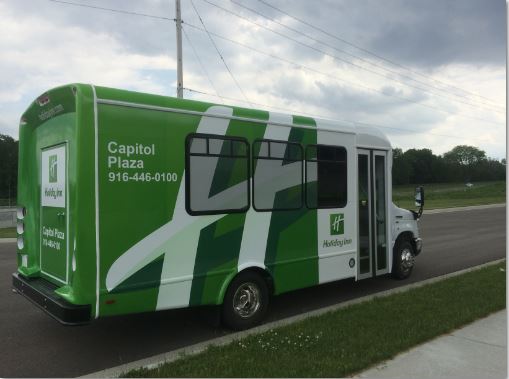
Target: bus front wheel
{"type": "Point", "coordinates": [403, 262]}
{"type": "Point", "coordinates": [246, 301]}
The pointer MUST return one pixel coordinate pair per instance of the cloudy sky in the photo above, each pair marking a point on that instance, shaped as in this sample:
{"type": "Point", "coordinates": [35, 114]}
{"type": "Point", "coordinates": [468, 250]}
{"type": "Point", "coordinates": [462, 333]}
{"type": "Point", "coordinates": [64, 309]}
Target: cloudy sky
{"type": "Point", "coordinates": [428, 73]}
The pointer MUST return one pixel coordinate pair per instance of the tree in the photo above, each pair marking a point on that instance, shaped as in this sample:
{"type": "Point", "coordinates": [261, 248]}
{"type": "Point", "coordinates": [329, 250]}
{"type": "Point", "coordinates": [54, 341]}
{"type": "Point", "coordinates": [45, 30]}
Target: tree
{"type": "Point", "coordinates": [421, 163]}
{"type": "Point", "coordinates": [463, 163]}
{"type": "Point", "coordinates": [400, 167]}
{"type": "Point", "coordinates": [465, 155]}
{"type": "Point", "coordinates": [8, 167]}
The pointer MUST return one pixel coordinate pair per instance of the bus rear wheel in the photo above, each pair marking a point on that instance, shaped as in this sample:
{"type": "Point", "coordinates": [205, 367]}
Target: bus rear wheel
{"type": "Point", "coordinates": [246, 301]}
{"type": "Point", "coordinates": [403, 262]}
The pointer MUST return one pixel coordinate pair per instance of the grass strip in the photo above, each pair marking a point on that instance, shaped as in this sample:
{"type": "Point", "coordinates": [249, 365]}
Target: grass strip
{"type": "Point", "coordinates": [343, 342]}
{"type": "Point", "coordinates": [448, 195]}
{"type": "Point", "coordinates": [8, 233]}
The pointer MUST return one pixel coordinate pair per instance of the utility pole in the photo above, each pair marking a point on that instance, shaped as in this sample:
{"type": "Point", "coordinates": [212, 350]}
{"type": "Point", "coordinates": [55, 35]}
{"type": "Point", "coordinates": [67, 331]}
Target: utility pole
{"type": "Point", "coordinates": [180, 75]}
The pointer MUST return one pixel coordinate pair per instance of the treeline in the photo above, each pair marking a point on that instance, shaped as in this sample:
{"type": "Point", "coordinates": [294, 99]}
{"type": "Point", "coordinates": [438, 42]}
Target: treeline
{"type": "Point", "coordinates": [461, 164]}
{"type": "Point", "coordinates": [8, 167]}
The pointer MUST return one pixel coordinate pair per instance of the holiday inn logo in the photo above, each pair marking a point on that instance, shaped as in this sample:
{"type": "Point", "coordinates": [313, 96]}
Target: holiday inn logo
{"type": "Point", "coordinates": [337, 224]}
{"type": "Point", "coordinates": [53, 181]}
{"type": "Point", "coordinates": [53, 165]}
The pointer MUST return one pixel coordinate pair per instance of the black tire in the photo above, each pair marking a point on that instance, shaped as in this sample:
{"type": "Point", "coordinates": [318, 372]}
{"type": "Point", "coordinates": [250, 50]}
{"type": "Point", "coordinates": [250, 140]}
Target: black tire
{"type": "Point", "coordinates": [403, 259]}
{"type": "Point", "coordinates": [247, 288]}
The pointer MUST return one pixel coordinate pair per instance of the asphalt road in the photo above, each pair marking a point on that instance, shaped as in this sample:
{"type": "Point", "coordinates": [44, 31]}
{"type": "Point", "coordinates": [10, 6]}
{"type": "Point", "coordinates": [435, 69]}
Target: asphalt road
{"type": "Point", "coordinates": [34, 345]}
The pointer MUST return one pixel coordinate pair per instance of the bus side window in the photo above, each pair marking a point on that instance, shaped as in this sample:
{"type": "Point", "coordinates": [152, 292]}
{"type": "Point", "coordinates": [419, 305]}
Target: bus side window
{"type": "Point", "coordinates": [217, 174]}
{"type": "Point", "coordinates": [278, 175]}
{"type": "Point", "coordinates": [326, 176]}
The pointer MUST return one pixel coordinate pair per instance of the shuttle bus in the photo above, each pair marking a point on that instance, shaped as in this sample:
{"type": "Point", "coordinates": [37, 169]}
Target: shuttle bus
{"type": "Point", "coordinates": [130, 202]}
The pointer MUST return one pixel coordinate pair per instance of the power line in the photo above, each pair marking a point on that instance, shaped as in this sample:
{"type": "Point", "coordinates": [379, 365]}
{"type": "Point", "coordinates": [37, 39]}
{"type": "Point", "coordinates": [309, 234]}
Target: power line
{"type": "Point", "coordinates": [370, 52]}
{"type": "Point", "coordinates": [330, 55]}
{"type": "Point", "coordinates": [131, 13]}
{"type": "Point", "coordinates": [304, 67]}
{"type": "Point", "coordinates": [279, 10]}
{"type": "Point", "coordinates": [251, 102]}
{"type": "Point", "coordinates": [269, 55]}
{"type": "Point", "coordinates": [218, 52]}
{"type": "Point", "coordinates": [357, 57]}
{"type": "Point", "coordinates": [201, 64]}
{"type": "Point", "coordinates": [292, 111]}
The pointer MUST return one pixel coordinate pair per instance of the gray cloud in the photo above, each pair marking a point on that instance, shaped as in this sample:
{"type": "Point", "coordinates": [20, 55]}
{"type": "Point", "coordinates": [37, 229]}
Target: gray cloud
{"type": "Point", "coordinates": [424, 34]}
{"type": "Point", "coordinates": [353, 104]}
{"type": "Point", "coordinates": [428, 36]}
{"type": "Point", "coordinates": [433, 33]}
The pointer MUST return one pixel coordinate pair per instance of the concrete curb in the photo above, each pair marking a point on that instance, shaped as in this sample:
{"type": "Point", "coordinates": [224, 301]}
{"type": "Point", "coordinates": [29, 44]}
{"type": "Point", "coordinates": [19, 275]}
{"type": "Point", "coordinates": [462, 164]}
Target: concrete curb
{"type": "Point", "coordinates": [171, 356]}
{"type": "Point", "coordinates": [459, 209]}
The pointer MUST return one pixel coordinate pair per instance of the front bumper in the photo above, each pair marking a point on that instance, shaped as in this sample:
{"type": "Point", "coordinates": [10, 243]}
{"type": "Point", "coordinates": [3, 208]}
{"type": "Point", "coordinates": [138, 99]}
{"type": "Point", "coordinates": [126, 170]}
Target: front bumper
{"type": "Point", "coordinates": [418, 245]}
{"type": "Point", "coordinates": [41, 292]}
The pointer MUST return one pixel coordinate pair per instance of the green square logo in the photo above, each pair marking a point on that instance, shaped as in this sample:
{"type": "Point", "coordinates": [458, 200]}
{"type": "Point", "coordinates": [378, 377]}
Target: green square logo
{"type": "Point", "coordinates": [53, 165]}
{"type": "Point", "coordinates": [337, 224]}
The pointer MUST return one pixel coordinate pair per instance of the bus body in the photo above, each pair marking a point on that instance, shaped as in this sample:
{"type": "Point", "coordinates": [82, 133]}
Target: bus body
{"type": "Point", "coordinates": [129, 202]}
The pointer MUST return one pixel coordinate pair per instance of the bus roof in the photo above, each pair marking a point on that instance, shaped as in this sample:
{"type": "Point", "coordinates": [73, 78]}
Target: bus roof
{"type": "Point", "coordinates": [366, 136]}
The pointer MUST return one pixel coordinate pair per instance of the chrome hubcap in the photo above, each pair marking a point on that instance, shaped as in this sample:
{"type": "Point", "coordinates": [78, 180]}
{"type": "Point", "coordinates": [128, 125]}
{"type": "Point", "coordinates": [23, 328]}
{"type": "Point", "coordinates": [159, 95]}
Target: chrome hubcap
{"type": "Point", "coordinates": [246, 300]}
{"type": "Point", "coordinates": [407, 259]}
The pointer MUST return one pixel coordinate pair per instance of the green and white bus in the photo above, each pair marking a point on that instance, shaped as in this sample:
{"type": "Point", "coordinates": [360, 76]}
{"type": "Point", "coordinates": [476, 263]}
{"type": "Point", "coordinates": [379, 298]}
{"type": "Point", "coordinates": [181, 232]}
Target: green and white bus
{"type": "Point", "coordinates": [130, 202]}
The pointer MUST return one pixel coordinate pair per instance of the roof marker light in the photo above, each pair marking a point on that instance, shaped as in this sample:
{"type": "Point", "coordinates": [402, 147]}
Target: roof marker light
{"type": "Point", "coordinates": [43, 100]}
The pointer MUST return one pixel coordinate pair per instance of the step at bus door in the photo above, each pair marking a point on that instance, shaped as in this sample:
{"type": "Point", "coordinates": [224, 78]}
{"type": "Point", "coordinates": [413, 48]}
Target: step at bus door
{"type": "Point", "coordinates": [54, 226]}
{"type": "Point", "coordinates": [372, 209]}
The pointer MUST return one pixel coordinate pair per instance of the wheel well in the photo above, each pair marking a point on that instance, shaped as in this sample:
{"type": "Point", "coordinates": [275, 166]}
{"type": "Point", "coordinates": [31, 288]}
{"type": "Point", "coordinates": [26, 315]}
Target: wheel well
{"type": "Point", "coordinates": [259, 271]}
{"type": "Point", "coordinates": [264, 274]}
{"type": "Point", "coordinates": [405, 236]}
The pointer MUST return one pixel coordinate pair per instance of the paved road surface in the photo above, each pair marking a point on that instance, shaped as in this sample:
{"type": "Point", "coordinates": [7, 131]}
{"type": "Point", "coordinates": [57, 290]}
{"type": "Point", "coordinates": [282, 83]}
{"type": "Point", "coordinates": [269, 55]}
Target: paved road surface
{"type": "Point", "coordinates": [33, 344]}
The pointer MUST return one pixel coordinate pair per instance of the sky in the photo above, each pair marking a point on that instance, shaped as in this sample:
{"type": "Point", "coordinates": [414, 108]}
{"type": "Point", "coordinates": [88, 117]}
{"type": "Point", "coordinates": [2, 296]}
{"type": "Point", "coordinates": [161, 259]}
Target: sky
{"type": "Point", "coordinates": [429, 74]}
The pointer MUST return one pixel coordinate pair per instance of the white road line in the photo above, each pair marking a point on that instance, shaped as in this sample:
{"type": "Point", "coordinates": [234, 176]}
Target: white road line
{"type": "Point", "coordinates": [459, 209]}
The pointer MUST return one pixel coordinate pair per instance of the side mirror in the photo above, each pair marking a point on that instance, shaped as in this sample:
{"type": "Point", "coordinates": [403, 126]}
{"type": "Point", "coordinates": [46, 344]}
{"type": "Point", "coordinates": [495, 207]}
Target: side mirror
{"type": "Point", "coordinates": [419, 202]}
{"type": "Point", "coordinates": [419, 197]}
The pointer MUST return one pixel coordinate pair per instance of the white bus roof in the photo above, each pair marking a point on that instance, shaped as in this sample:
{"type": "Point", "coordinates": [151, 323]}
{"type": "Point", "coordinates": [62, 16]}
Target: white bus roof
{"type": "Point", "coordinates": [366, 136]}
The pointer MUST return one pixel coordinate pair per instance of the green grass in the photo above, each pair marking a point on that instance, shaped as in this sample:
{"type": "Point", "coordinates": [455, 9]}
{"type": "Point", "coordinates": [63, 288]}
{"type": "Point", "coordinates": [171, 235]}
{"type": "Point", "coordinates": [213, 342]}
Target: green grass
{"type": "Point", "coordinates": [8, 233]}
{"type": "Point", "coordinates": [448, 195]}
{"type": "Point", "coordinates": [346, 341]}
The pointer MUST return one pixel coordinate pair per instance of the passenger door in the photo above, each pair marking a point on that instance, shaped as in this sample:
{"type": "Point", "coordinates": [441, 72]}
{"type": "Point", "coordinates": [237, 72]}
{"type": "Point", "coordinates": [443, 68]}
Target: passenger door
{"type": "Point", "coordinates": [373, 247]}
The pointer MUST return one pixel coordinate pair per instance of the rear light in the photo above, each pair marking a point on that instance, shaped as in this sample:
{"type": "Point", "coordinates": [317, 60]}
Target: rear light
{"type": "Point", "coordinates": [20, 227]}
{"type": "Point", "coordinates": [21, 243]}
{"type": "Point", "coordinates": [21, 212]}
